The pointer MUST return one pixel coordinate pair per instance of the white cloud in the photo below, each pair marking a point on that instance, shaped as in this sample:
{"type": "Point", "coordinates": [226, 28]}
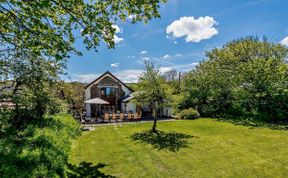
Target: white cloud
{"type": "Point", "coordinates": [165, 69]}
{"type": "Point", "coordinates": [143, 52]}
{"type": "Point", "coordinates": [117, 39]}
{"type": "Point", "coordinates": [130, 75]}
{"type": "Point", "coordinates": [145, 59]}
{"type": "Point", "coordinates": [117, 30]}
{"type": "Point", "coordinates": [179, 55]}
{"type": "Point", "coordinates": [115, 65]}
{"type": "Point", "coordinates": [86, 78]}
{"type": "Point", "coordinates": [132, 16]}
{"type": "Point", "coordinates": [193, 29]}
{"type": "Point", "coordinates": [284, 41]}
{"type": "Point", "coordinates": [166, 56]}
{"type": "Point", "coordinates": [126, 76]}
{"type": "Point", "coordinates": [180, 68]}
{"type": "Point", "coordinates": [121, 45]}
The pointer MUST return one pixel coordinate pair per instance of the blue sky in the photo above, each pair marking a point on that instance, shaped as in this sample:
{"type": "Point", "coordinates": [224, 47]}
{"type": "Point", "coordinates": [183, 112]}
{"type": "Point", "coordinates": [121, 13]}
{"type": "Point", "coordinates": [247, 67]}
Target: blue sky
{"type": "Point", "coordinates": [179, 39]}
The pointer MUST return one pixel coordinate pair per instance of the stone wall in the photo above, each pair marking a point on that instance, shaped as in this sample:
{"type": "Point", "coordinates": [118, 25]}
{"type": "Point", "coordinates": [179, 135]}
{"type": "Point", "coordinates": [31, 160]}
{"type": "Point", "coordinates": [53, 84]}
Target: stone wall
{"type": "Point", "coordinates": [96, 93]}
{"type": "Point", "coordinates": [106, 81]}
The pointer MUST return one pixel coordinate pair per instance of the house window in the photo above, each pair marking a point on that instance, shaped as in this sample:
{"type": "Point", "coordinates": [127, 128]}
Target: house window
{"type": "Point", "coordinates": [108, 92]}
{"type": "Point", "coordinates": [103, 92]}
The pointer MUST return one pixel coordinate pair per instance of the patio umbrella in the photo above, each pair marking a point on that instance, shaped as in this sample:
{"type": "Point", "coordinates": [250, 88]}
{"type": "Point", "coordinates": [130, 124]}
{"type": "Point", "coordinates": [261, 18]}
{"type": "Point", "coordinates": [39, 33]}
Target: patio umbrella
{"type": "Point", "coordinates": [96, 101]}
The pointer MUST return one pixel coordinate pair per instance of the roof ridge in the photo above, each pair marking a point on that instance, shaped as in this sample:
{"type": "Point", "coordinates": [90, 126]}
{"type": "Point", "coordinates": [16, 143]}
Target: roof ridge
{"type": "Point", "coordinates": [108, 72]}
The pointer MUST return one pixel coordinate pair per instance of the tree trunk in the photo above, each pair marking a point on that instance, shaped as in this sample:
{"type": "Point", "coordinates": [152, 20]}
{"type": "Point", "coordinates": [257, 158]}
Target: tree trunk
{"type": "Point", "coordinates": [154, 124]}
{"type": "Point", "coordinates": [155, 120]}
{"type": "Point", "coordinates": [161, 110]}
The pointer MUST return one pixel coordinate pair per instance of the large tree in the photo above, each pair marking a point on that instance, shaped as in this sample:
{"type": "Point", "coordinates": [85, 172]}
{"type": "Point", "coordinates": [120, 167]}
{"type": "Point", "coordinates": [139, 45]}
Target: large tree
{"type": "Point", "coordinates": [73, 94]}
{"type": "Point", "coordinates": [50, 27]}
{"type": "Point", "coordinates": [42, 33]}
{"type": "Point", "coordinates": [36, 39]}
{"type": "Point", "coordinates": [246, 76]}
{"type": "Point", "coordinates": [153, 90]}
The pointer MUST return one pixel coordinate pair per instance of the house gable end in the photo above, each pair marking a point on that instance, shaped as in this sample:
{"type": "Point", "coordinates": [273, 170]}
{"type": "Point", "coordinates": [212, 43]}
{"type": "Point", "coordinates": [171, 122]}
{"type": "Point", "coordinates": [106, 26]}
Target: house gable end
{"type": "Point", "coordinates": [111, 76]}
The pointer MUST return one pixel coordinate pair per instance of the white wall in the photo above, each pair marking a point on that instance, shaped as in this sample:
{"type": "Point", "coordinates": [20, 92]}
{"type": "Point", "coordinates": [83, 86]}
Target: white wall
{"type": "Point", "coordinates": [88, 97]}
{"type": "Point", "coordinates": [88, 110]}
{"type": "Point", "coordinates": [87, 93]}
{"type": "Point", "coordinates": [122, 107]}
{"type": "Point", "coordinates": [126, 90]}
{"type": "Point", "coordinates": [131, 107]}
{"type": "Point", "coordinates": [167, 111]}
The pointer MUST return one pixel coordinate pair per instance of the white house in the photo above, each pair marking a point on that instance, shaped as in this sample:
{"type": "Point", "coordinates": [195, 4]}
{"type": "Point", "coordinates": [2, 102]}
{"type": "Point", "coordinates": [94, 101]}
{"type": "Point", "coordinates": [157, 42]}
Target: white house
{"type": "Point", "coordinates": [110, 95]}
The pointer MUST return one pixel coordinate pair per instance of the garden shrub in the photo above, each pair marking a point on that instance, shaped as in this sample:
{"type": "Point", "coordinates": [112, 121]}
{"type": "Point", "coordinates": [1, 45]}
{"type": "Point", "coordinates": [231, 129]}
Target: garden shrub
{"type": "Point", "coordinates": [188, 114]}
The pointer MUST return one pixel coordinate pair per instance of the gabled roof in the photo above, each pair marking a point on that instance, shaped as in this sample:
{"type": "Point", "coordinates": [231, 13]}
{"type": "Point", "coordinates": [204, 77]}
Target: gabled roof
{"type": "Point", "coordinates": [109, 73]}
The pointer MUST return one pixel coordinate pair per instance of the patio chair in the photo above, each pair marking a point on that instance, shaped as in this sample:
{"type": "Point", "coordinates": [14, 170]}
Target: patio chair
{"type": "Point", "coordinates": [135, 116]}
{"type": "Point", "coordinates": [114, 117]}
{"type": "Point", "coordinates": [129, 117]}
{"type": "Point", "coordinates": [93, 120]}
{"type": "Point", "coordinates": [121, 117]}
{"type": "Point", "coordinates": [106, 117]}
{"type": "Point", "coordinates": [99, 119]}
{"type": "Point", "coordinates": [87, 119]}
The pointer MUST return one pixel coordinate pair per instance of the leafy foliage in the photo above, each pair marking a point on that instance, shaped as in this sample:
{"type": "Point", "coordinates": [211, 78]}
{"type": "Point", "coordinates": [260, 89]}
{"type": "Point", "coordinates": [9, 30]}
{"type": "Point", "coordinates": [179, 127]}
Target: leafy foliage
{"type": "Point", "coordinates": [153, 90]}
{"type": "Point", "coordinates": [50, 27]}
{"type": "Point", "coordinates": [39, 150]}
{"type": "Point", "coordinates": [73, 94]}
{"type": "Point", "coordinates": [171, 75]}
{"type": "Point", "coordinates": [32, 89]}
{"type": "Point", "coordinates": [36, 38]}
{"type": "Point", "coordinates": [245, 77]}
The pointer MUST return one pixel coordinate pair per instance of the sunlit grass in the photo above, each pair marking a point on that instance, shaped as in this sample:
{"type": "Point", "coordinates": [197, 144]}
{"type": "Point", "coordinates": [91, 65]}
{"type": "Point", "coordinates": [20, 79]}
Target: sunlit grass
{"type": "Point", "coordinates": [215, 149]}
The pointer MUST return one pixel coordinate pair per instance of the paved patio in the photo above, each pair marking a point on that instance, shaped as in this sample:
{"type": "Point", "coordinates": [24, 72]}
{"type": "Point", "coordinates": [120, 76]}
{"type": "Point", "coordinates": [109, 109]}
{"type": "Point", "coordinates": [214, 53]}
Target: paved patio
{"type": "Point", "coordinates": [89, 127]}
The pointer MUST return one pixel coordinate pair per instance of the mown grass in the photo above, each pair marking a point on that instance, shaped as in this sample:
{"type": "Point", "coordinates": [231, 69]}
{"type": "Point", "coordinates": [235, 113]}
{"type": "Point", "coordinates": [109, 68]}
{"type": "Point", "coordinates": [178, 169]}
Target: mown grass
{"type": "Point", "coordinates": [214, 149]}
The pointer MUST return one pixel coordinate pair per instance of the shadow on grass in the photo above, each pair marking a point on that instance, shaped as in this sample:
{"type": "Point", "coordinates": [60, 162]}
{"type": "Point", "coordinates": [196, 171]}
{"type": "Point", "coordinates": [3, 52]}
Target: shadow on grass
{"type": "Point", "coordinates": [171, 141]}
{"type": "Point", "coordinates": [86, 169]}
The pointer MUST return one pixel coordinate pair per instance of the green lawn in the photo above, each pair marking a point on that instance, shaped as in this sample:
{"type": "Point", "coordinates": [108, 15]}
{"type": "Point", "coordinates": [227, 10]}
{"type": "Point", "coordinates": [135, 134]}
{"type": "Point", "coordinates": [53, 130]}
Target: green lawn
{"type": "Point", "coordinates": [217, 149]}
